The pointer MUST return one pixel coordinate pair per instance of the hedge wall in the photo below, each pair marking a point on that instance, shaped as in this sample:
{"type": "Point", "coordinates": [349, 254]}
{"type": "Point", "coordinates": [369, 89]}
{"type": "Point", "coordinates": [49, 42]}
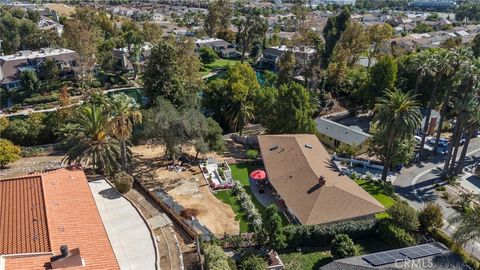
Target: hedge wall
{"type": "Point", "coordinates": [322, 235]}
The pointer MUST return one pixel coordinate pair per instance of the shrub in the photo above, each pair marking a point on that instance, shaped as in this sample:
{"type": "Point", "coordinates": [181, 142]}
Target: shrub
{"type": "Point", "coordinates": [123, 181]}
{"type": "Point", "coordinates": [396, 236]}
{"type": "Point", "coordinates": [8, 152]}
{"type": "Point", "coordinates": [342, 247]}
{"type": "Point", "coordinates": [96, 84]}
{"type": "Point", "coordinates": [347, 150]}
{"type": "Point", "coordinates": [208, 55]}
{"type": "Point", "coordinates": [315, 235]}
{"type": "Point", "coordinates": [215, 258]}
{"type": "Point", "coordinates": [403, 216]}
{"type": "Point", "coordinates": [274, 227]}
{"type": "Point", "coordinates": [41, 99]}
{"type": "Point", "coordinates": [430, 217]}
{"type": "Point", "coordinates": [251, 154]}
{"type": "Point", "coordinates": [247, 205]}
{"type": "Point", "coordinates": [253, 262]}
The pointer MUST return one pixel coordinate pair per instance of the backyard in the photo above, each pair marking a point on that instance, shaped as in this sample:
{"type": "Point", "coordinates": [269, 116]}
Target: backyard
{"type": "Point", "coordinates": [314, 258]}
{"type": "Point", "coordinates": [305, 259]}
{"type": "Point", "coordinates": [241, 172]}
{"type": "Point", "coordinates": [218, 64]}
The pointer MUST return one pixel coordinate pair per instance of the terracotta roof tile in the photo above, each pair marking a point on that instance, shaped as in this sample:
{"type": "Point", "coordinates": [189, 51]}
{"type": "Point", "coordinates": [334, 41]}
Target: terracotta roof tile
{"type": "Point", "coordinates": [23, 221]}
{"type": "Point", "coordinates": [72, 219]}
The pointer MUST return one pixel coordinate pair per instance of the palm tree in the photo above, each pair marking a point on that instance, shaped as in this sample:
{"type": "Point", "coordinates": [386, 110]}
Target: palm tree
{"type": "Point", "coordinates": [89, 141]}
{"type": "Point", "coordinates": [124, 113]}
{"type": "Point", "coordinates": [440, 66]}
{"type": "Point", "coordinates": [467, 83]}
{"type": "Point", "coordinates": [467, 225]}
{"type": "Point", "coordinates": [457, 58]}
{"type": "Point", "coordinates": [473, 124]}
{"type": "Point", "coordinates": [237, 115]}
{"type": "Point", "coordinates": [397, 115]}
{"type": "Point", "coordinates": [421, 66]}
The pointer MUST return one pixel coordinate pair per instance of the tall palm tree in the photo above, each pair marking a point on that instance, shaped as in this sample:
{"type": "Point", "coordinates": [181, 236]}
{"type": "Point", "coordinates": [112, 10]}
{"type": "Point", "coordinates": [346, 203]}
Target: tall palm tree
{"type": "Point", "coordinates": [89, 142]}
{"type": "Point", "coordinates": [397, 115]}
{"type": "Point", "coordinates": [467, 226]}
{"type": "Point", "coordinates": [237, 115]}
{"type": "Point", "coordinates": [457, 58]}
{"type": "Point", "coordinates": [440, 67]}
{"type": "Point", "coordinates": [420, 63]}
{"type": "Point", "coordinates": [473, 124]}
{"type": "Point", "coordinates": [467, 83]}
{"type": "Point", "coordinates": [124, 113]}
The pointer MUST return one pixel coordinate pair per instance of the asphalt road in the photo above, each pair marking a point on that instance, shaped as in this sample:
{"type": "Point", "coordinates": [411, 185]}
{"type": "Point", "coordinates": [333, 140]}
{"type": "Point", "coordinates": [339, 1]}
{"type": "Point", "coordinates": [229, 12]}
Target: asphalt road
{"type": "Point", "coordinates": [416, 185]}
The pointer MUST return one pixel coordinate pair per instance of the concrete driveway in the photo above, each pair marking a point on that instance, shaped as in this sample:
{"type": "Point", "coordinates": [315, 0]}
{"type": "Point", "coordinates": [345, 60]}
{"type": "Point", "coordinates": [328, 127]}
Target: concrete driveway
{"type": "Point", "coordinates": [129, 235]}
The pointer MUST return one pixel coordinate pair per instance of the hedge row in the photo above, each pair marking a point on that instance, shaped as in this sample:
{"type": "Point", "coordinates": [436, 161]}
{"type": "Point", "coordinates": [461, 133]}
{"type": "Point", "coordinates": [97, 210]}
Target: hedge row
{"type": "Point", "coordinates": [447, 241]}
{"type": "Point", "coordinates": [41, 99]}
{"type": "Point", "coordinates": [322, 235]}
{"type": "Point", "coordinates": [395, 236]}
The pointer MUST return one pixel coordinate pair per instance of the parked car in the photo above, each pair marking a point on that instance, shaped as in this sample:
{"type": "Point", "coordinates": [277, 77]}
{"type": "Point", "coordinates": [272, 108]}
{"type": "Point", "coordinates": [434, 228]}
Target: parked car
{"type": "Point", "coordinates": [442, 142]}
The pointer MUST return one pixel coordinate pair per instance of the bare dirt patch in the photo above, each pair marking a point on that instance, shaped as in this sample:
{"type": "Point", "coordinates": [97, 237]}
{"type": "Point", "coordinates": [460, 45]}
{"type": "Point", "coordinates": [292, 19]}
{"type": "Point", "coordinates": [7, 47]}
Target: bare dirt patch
{"type": "Point", "coordinates": [31, 164]}
{"type": "Point", "coordinates": [61, 9]}
{"type": "Point", "coordinates": [187, 187]}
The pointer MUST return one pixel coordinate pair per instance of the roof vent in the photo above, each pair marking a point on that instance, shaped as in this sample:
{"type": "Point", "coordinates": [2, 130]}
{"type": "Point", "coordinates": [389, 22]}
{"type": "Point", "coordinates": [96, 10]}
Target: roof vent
{"type": "Point", "coordinates": [308, 146]}
{"type": "Point", "coordinates": [273, 147]}
{"type": "Point", "coordinates": [67, 258]}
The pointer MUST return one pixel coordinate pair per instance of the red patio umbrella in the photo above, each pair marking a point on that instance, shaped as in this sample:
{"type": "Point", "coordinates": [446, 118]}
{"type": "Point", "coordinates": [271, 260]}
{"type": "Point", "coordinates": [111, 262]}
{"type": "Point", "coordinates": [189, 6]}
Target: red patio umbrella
{"type": "Point", "coordinates": [258, 175]}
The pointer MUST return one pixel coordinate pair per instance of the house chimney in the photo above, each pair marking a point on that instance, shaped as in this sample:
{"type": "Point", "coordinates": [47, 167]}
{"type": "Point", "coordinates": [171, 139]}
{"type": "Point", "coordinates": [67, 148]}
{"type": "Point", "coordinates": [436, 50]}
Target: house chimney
{"type": "Point", "coordinates": [321, 180]}
{"type": "Point", "coordinates": [64, 251]}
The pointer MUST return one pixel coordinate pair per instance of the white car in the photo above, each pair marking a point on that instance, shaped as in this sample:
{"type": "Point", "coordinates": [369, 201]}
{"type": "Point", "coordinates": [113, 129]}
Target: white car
{"type": "Point", "coordinates": [442, 142]}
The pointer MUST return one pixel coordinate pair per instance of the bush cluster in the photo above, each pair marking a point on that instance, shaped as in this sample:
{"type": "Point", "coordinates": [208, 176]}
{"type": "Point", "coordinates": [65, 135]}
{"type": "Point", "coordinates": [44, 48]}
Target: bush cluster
{"type": "Point", "coordinates": [322, 235]}
{"type": "Point", "coordinates": [247, 205]}
{"type": "Point", "coordinates": [41, 99]}
{"type": "Point", "coordinates": [342, 247]}
{"type": "Point", "coordinates": [396, 236]}
{"type": "Point", "coordinates": [123, 181]}
{"type": "Point", "coordinates": [215, 258]}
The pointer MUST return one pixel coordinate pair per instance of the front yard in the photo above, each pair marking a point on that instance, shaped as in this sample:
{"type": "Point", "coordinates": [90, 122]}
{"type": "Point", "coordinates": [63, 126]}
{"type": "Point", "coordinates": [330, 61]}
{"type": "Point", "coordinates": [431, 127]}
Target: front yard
{"type": "Point", "coordinates": [376, 192]}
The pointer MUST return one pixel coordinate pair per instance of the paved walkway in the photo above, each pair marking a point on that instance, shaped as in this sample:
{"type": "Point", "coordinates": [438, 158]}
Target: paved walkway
{"type": "Point", "coordinates": [128, 233]}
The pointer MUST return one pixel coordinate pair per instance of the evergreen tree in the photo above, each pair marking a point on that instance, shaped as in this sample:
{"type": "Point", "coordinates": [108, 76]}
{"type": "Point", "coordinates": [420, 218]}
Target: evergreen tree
{"type": "Point", "coordinates": [292, 111]}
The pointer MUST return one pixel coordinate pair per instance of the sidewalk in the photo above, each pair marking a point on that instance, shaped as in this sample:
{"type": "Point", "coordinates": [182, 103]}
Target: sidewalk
{"type": "Point", "coordinates": [129, 235]}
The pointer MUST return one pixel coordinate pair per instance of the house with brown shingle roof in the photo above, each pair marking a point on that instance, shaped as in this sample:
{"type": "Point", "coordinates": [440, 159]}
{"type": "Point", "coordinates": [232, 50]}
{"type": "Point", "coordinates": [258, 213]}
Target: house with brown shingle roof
{"type": "Point", "coordinates": [51, 221]}
{"type": "Point", "coordinates": [300, 171]}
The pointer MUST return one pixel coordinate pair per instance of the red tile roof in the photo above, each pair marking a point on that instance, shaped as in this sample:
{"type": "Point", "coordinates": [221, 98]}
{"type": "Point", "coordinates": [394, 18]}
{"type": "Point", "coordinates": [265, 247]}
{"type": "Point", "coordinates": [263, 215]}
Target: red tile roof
{"type": "Point", "coordinates": [72, 219]}
{"type": "Point", "coordinates": [23, 221]}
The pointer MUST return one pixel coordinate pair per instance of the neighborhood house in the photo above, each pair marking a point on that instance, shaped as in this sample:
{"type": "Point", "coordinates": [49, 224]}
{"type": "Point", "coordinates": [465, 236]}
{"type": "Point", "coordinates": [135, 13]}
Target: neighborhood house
{"type": "Point", "coordinates": [334, 134]}
{"type": "Point", "coordinates": [300, 171]}
{"type": "Point", "coordinates": [11, 66]}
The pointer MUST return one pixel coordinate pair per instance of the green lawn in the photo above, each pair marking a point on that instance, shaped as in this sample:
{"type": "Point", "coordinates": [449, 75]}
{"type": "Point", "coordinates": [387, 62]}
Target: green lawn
{"type": "Point", "coordinates": [376, 192]}
{"type": "Point", "coordinates": [241, 172]}
{"type": "Point", "coordinates": [226, 197]}
{"type": "Point", "coordinates": [307, 260]}
{"type": "Point", "coordinates": [219, 64]}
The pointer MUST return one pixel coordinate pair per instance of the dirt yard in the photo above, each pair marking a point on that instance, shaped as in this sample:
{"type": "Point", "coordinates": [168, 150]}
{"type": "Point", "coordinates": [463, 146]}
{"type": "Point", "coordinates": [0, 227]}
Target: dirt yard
{"type": "Point", "coordinates": [61, 9]}
{"type": "Point", "coordinates": [31, 164]}
{"type": "Point", "coordinates": [188, 188]}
